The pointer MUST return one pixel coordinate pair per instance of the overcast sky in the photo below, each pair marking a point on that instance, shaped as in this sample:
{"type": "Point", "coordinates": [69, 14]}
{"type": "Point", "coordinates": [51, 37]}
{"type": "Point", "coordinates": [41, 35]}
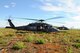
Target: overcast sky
{"type": "Point", "coordinates": [41, 9]}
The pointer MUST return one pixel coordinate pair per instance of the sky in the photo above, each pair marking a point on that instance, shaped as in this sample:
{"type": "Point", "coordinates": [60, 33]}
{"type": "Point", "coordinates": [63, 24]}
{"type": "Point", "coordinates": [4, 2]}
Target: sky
{"type": "Point", "coordinates": [69, 10]}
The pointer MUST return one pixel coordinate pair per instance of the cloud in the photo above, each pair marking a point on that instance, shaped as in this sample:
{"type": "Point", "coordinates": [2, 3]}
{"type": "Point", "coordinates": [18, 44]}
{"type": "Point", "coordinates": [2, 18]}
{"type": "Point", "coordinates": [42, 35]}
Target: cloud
{"type": "Point", "coordinates": [6, 6]}
{"type": "Point", "coordinates": [50, 7]}
{"type": "Point", "coordinates": [76, 18]}
{"type": "Point", "coordinates": [60, 5]}
{"type": "Point", "coordinates": [10, 5]}
{"type": "Point", "coordinates": [46, 0]}
{"type": "Point", "coordinates": [13, 4]}
{"type": "Point", "coordinates": [73, 24]}
{"type": "Point", "coordinates": [68, 6]}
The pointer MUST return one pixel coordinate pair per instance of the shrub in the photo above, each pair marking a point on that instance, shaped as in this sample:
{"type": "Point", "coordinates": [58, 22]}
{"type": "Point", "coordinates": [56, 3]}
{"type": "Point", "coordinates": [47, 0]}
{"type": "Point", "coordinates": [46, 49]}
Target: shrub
{"type": "Point", "coordinates": [18, 45]}
{"type": "Point", "coordinates": [3, 41]}
{"type": "Point", "coordinates": [70, 50]}
{"type": "Point", "coordinates": [77, 45]}
{"type": "Point", "coordinates": [10, 35]}
{"type": "Point", "coordinates": [40, 41]}
{"type": "Point", "coordinates": [29, 39]}
{"type": "Point", "coordinates": [77, 40]}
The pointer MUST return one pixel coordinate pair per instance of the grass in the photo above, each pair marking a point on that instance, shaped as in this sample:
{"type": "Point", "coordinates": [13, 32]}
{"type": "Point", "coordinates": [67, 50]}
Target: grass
{"type": "Point", "coordinates": [64, 38]}
{"type": "Point", "coordinates": [77, 45]}
{"type": "Point", "coordinates": [70, 50]}
{"type": "Point", "coordinates": [29, 39]}
{"type": "Point", "coordinates": [77, 40]}
{"type": "Point", "coordinates": [3, 41]}
{"type": "Point", "coordinates": [40, 41]}
{"type": "Point", "coordinates": [18, 45]}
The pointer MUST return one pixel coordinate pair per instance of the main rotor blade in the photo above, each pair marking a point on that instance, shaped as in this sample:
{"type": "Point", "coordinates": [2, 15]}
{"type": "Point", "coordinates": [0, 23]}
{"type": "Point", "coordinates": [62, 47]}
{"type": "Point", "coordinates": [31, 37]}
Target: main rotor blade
{"type": "Point", "coordinates": [54, 18]}
{"type": "Point", "coordinates": [29, 19]}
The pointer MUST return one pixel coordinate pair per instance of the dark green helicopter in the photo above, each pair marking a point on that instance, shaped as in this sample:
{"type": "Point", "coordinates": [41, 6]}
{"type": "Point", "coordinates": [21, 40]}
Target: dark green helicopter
{"type": "Point", "coordinates": [39, 25]}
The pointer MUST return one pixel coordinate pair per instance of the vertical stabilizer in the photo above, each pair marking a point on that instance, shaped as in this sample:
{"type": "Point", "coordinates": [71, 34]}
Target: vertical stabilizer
{"type": "Point", "coordinates": [11, 24]}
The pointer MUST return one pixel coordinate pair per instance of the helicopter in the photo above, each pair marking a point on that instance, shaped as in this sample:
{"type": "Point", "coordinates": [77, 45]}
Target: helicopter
{"type": "Point", "coordinates": [62, 28]}
{"type": "Point", "coordinates": [39, 25]}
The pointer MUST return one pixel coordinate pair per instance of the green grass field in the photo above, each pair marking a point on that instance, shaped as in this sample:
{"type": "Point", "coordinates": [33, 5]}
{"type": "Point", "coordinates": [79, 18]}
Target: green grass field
{"type": "Point", "coordinates": [39, 42]}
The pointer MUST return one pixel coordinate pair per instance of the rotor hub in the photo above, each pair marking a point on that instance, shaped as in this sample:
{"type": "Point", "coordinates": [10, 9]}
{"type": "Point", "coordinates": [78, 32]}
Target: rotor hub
{"type": "Point", "coordinates": [41, 20]}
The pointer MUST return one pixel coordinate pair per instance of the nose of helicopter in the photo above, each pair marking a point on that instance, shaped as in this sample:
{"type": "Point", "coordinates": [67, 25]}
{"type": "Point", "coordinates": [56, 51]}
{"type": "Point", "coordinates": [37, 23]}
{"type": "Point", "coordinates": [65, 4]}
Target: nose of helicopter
{"type": "Point", "coordinates": [53, 30]}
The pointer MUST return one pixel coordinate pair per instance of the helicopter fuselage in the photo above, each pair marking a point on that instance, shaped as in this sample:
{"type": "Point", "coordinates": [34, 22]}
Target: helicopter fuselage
{"type": "Point", "coordinates": [34, 27]}
{"type": "Point", "coordinates": [37, 26]}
